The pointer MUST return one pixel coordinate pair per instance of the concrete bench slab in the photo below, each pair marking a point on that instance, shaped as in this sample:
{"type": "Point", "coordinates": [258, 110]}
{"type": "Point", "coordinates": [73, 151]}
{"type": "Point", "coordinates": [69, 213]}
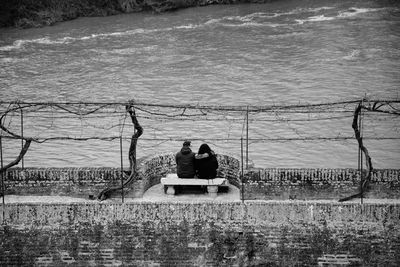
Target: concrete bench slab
{"type": "Point", "coordinates": [212, 184]}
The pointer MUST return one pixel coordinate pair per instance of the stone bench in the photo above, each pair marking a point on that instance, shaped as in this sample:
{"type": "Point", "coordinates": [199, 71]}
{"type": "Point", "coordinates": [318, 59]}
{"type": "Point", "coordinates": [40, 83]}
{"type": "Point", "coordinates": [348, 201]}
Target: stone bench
{"type": "Point", "coordinates": [173, 180]}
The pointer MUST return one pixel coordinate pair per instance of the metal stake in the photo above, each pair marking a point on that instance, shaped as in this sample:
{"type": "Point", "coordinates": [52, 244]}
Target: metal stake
{"type": "Point", "coordinates": [247, 138]}
{"type": "Point", "coordinates": [241, 176]}
{"type": "Point", "coordinates": [122, 167]}
{"type": "Point", "coordinates": [361, 154]}
{"type": "Point", "coordinates": [2, 179]}
{"type": "Point", "coordinates": [22, 135]}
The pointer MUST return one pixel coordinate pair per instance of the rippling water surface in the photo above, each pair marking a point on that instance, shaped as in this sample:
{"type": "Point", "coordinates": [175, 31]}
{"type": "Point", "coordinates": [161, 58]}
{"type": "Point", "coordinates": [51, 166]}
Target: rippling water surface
{"type": "Point", "coordinates": [284, 52]}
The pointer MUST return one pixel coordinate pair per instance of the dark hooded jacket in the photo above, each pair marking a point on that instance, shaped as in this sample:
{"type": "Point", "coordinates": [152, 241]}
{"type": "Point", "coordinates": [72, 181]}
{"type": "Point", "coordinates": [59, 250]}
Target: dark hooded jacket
{"type": "Point", "coordinates": [206, 168]}
{"type": "Point", "coordinates": [185, 163]}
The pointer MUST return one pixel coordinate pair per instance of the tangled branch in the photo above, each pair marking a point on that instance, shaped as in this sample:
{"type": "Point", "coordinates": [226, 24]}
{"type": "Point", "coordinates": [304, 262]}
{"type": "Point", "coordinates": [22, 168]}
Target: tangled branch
{"type": "Point", "coordinates": [24, 149]}
{"type": "Point", "coordinates": [19, 157]}
{"type": "Point", "coordinates": [377, 106]}
{"type": "Point", "coordinates": [103, 195]}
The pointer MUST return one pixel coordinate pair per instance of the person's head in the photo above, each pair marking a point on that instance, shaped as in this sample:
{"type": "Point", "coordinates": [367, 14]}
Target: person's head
{"type": "Point", "coordinates": [204, 148]}
{"type": "Point", "coordinates": [186, 143]}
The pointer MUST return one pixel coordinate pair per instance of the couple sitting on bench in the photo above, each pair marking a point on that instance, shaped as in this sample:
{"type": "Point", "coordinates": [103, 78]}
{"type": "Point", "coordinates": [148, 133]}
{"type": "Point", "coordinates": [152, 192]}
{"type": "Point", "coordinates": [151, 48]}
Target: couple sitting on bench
{"type": "Point", "coordinates": [202, 165]}
{"type": "Point", "coordinates": [195, 169]}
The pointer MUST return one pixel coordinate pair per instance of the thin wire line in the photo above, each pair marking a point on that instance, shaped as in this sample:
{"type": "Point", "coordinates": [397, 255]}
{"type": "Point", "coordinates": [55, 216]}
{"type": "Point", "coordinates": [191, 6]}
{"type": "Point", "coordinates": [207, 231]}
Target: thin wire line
{"type": "Point", "coordinates": [191, 106]}
{"type": "Point", "coordinates": [111, 138]}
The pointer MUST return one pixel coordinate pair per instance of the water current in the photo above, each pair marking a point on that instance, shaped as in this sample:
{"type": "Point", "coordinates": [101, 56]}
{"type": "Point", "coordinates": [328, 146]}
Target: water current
{"type": "Point", "coordinates": [279, 53]}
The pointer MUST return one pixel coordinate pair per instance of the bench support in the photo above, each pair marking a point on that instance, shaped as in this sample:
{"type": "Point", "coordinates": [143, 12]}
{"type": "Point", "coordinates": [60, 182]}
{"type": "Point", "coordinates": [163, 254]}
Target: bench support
{"type": "Point", "coordinates": [212, 185]}
{"type": "Point", "coordinates": [212, 190]}
{"type": "Point", "coordinates": [170, 190]}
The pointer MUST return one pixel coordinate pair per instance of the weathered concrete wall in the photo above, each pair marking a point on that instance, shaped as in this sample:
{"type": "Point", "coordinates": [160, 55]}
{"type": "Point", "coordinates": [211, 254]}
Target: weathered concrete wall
{"type": "Point", "coordinates": [256, 233]}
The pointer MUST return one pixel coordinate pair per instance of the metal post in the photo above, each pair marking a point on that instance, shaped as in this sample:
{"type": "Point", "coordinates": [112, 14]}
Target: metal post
{"type": "Point", "coordinates": [359, 161]}
{"type": "Point", "coordinates": [122, 168]}
{"type": "Point", "coordinates": [361, 154]}
{"type": "Point", "coordinates": [247, 138]}
{"type": "Point", "coordinates": [2, 178]}
{"type": "Point", "coordinates": [134, 132]}
{"type": "Point", "coordinates": [22, 135]}
{"type": "Point", "coordinates": [241, 176]}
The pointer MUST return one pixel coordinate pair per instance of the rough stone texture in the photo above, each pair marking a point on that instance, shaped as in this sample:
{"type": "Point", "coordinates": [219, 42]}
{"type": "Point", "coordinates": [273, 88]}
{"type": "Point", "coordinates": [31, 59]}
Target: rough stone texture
{"type": "Point", "coordinates": [337, 177]}
{"type": "Point", "coordinates": [256, 233]}
{"type": "Point", "coordinates": [250, 212]}
{"type": "Point", "coordinates": [203, 233]}
{"type": "Point", "coordinates": [303, 184]}
{"type": "Point", "coordinates": [159, 166]}
{"type": "Point", "coordinates": [281, 183]}
{"type": "Point", "coordinates": [59, 181]}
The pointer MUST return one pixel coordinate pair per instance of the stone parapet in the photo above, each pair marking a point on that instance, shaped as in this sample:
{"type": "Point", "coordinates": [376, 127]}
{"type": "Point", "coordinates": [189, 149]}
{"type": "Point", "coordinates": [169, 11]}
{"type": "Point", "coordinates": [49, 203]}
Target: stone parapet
{"type": "Point", "coordinates": [274, 183]}
{"type": "Point", "coordinates": [61, 181]}
{"type": "Point", "coordinates": [318, 183]}
{"type": "Point", "coordinates": [318, 176]}
{"type": "Point", "coordinates": [84, 181]}
{"type": "Point", "coordinates": [159, 166]}
{"type": "Point", "coordinates": [250, 212]}
{"type": "Point", "coordinates": [253, 233]}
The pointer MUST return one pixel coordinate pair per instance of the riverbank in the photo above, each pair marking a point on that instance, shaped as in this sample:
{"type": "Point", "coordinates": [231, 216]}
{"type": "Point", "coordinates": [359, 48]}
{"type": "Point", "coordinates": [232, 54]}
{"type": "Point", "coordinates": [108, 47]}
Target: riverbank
{"type": "Point", "coordinates": [28, 14]}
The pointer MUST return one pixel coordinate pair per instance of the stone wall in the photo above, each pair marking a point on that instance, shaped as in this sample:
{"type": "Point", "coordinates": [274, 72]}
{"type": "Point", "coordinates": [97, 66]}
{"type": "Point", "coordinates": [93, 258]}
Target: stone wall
{"type": "Point", "coordinates": [253, 233]}
{"type": "Point", "coordinates": [303, 184]}
{"type": "Point", "coordinates": [159, 166]}
{"type": "Point", "coordinates": [60, 181]}
{"type": "Point", "coordinates": [318, 183]}
{"type": "Point", "coordinates": [85, 181]}
{"type": "Point", "coordinates": [250, 212]}
{"type": "Point", "coordinates": [335, 177]}
{"type": "Point", "coordinates": [177, 233]}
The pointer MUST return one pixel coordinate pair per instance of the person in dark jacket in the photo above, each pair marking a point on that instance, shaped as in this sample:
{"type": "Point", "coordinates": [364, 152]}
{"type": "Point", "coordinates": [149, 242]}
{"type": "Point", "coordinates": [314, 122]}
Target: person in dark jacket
{"type": "Point", "coordinates": [206, 163]}
{"type": "Point", "coordinates": [185, 161]}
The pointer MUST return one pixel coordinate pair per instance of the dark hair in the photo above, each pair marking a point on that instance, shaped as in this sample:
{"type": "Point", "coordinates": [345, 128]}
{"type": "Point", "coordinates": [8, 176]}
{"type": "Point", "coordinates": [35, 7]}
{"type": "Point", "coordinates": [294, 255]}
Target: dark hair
{"type": "Point", "coordinates": [204, 148]}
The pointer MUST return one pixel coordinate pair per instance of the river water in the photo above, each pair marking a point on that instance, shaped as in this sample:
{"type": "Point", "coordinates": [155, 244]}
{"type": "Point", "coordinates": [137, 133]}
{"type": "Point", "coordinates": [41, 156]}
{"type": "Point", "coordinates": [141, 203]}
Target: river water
{"type": "Point", "coordinates": [279, 53]}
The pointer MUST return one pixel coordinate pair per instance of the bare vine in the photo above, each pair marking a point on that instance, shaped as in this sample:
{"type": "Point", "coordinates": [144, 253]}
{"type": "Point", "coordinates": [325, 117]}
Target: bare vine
{"type": "Point", "coordinates": [25, 147]}
{"type": "Point", "coordinates": [132, 155]}
{"type": "Point", "coordinates": [377, 106]}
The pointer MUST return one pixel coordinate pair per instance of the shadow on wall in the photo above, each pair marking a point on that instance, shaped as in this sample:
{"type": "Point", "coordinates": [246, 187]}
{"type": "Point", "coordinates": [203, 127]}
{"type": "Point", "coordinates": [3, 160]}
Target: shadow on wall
{"type": "Point", "coordinates": [157, 167]}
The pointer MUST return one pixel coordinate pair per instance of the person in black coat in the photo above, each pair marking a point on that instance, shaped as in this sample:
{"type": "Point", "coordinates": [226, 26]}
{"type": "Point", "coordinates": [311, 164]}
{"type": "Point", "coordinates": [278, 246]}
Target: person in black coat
{"type": "Point", "coordinates": [185, 161]}
{"type": "Point", "coordinates": [206, 163]}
